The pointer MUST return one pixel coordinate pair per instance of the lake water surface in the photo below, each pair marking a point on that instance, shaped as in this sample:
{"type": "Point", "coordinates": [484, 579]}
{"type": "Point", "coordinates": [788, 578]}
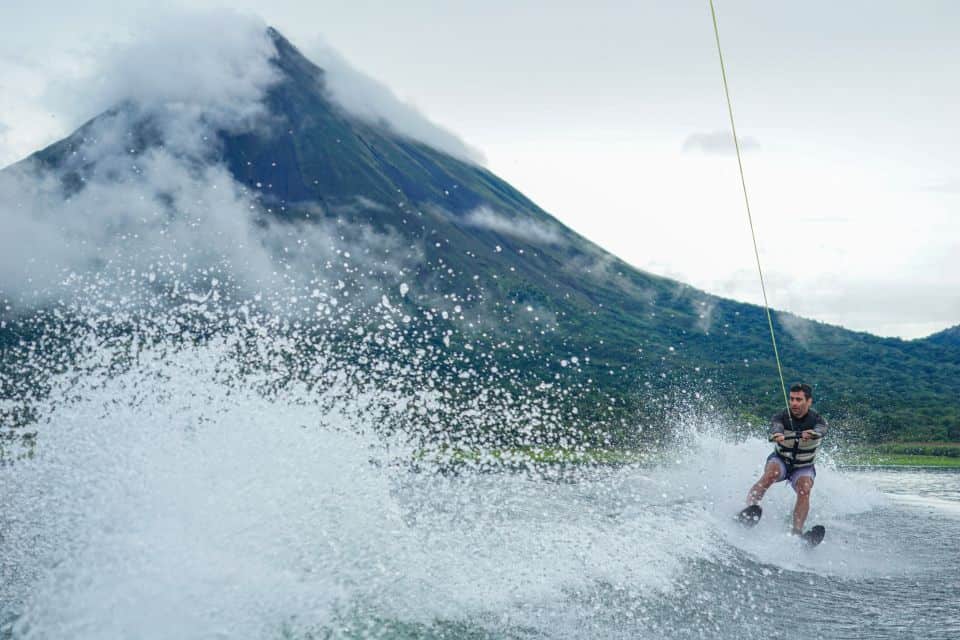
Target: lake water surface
{"type": "Point", "coordinates": [222, 532]}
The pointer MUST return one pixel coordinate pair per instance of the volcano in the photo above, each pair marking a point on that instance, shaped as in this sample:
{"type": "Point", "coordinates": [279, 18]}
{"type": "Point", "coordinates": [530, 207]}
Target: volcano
{"type": "Point", "coordinates": [460, 234]}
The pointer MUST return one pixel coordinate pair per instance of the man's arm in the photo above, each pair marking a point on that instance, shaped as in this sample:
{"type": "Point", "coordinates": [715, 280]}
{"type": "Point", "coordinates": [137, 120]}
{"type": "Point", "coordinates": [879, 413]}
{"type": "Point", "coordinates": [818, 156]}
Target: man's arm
{"type": "Point", "coordinates": [821, 426]}
{"type": "Point", "coordinates": [776, 428]}
{"type": "Point", "coordinates": [819, 429]}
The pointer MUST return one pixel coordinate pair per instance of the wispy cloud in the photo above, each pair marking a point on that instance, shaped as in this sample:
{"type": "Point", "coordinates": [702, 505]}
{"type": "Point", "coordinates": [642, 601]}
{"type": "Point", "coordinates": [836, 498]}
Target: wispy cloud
{"type": "Point", "coordinates": [718, 142]}
{"type": "Point", "coordinates": [372, 101]}
{"type": "Point", "coordinates": [912, 305]}
{"type": "Point", "coordinates": [215, 63]}
{"type": "Point", "coordinates": [532, 231]}
{"type": "Point", "coordinates": [704, 310]}
{"type": "Point", "coordinates": [800, 329]}
{"type": "Point", "coordinates": [159, 209]}
{"type": "Point", "coordinates": [359, 203]}
{"type": "Point", "coordinates": [606, 268]}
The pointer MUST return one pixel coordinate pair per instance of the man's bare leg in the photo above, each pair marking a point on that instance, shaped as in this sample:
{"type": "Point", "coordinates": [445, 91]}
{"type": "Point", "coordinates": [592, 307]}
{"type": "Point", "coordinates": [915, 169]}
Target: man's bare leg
{"type": "Point", "coordinates": [771, 473]}
{"type": "Point", "coordinates": [803, 488]}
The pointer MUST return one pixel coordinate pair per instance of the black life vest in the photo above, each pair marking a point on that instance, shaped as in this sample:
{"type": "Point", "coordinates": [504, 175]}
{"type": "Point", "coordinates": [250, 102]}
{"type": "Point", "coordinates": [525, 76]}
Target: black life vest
{"type": "Point", "coordinates": [795, 451]}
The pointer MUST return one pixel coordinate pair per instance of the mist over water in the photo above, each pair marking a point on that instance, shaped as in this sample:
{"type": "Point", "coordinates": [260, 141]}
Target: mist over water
{"type": "Point", "coordinates": [207, 463]}
{"type": "Point", "coordinates": [234, 467]}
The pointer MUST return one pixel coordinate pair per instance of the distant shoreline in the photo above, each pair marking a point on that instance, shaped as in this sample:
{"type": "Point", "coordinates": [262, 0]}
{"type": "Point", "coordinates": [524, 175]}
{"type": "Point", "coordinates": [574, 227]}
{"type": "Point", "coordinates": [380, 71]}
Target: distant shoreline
{"type": "Point", "coordinates": [872, 457]}
{"type": "Point", "coordinates": [927, 462]}
{"type": "Point", "coordinates": [938, 455]}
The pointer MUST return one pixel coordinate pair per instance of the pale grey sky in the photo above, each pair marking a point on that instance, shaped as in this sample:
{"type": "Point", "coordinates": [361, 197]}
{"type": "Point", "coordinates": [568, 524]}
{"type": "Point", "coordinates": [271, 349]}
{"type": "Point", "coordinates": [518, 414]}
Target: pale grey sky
{"type": "Point", "coordinates": [611, 117]}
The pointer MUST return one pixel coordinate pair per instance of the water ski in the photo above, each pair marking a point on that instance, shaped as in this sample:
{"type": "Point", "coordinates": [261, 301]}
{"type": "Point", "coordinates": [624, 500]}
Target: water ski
{"type": "Point", "coordinates": [751, 516]}
{"type": "Point", "coordinates": [814, 536]}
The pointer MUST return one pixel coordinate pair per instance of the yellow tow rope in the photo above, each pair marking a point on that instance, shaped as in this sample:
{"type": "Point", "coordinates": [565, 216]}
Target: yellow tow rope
{"type": "Point", "coordinates": [746, 200]}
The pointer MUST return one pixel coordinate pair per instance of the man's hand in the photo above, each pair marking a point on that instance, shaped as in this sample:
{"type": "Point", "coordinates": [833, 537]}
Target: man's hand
{"type": "Point", "coordinates": [778, 438]}
{"type": "Point", "coordinates": [809, 433]}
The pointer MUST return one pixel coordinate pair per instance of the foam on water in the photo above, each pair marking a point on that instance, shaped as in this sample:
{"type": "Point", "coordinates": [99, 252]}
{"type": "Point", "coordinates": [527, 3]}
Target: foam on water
{"type": "Point", "coordinates": [184, 495]}
{"type": "Point", "coordinates": [167, 503]}
{"type": "Point", "coordinates": [712, 473]}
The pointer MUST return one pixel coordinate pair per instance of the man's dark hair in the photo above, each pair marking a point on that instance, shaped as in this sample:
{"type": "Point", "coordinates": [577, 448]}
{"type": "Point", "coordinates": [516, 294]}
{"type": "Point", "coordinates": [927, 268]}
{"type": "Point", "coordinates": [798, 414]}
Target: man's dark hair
{"type": "Point", "coordinates": [804, 387]}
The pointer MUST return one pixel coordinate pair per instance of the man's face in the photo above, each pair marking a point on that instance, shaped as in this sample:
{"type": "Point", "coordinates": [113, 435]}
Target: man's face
{"type": "Point", "coordinates": [799, 404]}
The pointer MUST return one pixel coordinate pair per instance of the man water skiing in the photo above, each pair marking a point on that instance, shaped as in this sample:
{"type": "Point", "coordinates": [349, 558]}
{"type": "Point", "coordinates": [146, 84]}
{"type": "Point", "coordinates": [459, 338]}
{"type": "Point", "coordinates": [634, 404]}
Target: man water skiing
{"type": "Point", "coordinates": [792, 459]}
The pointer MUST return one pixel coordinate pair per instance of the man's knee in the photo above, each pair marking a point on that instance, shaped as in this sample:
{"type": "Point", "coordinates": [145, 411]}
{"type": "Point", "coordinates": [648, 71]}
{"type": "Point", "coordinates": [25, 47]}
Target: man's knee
{"type": "Point", "coordinates": [771, 474]}
{"type": "Point", "coordinates": [803, 487]}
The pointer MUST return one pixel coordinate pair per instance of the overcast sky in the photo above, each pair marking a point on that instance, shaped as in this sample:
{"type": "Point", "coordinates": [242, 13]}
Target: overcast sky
{"type": "Point", "coordinates": [612, 118]}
